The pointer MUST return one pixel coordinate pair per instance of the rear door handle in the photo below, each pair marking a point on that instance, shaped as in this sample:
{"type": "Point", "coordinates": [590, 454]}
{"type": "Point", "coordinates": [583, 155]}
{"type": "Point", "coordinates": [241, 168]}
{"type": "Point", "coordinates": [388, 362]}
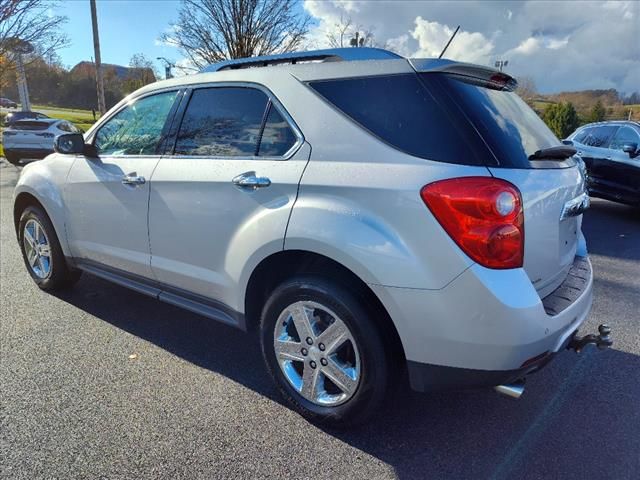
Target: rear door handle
{"type": "Point", "coordinates": [250, 181]}
{"type": "Point", "coordinates": [133, 179]}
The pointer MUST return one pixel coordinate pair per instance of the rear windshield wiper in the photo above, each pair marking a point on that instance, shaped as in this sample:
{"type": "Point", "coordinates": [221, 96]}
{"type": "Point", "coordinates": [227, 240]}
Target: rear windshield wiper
{"type": "Point", "coordinates": [561, 152]}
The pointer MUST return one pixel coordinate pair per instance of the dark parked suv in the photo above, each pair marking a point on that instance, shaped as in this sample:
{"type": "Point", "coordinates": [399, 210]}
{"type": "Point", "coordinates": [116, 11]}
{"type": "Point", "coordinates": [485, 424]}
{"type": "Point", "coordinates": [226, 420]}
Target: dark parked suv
{"type": "Point", "coordinates": [611, 153]}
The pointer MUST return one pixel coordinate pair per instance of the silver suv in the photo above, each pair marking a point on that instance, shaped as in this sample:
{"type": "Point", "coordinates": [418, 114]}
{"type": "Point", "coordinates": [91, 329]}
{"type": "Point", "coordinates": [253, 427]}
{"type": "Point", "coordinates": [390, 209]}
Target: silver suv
{"type": "Point", "coordinates": [370, 215]}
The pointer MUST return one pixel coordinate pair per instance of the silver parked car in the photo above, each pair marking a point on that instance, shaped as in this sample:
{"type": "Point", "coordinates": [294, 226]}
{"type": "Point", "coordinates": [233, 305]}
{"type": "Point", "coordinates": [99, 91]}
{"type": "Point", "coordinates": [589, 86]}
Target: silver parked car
{"type": "Point", "coordinates": [369, 215]}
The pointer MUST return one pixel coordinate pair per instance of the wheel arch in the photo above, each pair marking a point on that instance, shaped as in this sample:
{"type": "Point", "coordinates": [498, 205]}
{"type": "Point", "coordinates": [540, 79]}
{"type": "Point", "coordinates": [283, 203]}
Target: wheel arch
{"type": "Point", "coordinates": [277, 267]}
{"type": "Point", "coordinates": [27, 199]}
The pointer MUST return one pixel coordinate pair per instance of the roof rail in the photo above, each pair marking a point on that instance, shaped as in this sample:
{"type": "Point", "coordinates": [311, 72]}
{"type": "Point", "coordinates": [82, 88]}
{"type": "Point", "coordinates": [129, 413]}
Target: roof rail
{"type": "Point", "coordinates": [328, 55]}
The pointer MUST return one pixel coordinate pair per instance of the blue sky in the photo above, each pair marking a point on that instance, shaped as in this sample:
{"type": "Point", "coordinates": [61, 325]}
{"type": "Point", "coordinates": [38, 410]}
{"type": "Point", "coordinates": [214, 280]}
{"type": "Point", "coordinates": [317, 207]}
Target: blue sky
{"type": "Point", "coordinates": [562, 45]}
{"type": "Point", "coordinates": [126, 28]}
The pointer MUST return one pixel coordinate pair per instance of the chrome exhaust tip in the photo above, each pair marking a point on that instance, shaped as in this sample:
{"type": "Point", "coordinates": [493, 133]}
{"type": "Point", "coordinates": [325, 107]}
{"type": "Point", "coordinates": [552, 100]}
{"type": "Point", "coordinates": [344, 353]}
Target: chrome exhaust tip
{"type": "Point", "coordinates": [515, 390]}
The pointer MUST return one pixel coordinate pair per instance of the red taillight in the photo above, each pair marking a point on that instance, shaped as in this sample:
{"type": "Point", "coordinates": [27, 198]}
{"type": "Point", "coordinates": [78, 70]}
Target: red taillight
{"type": "Point", "coordinates": [483, 215]}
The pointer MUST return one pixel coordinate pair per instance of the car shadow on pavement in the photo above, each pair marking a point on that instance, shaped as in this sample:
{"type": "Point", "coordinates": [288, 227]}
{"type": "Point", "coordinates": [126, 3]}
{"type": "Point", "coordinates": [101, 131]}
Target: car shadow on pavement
{"type": "Point", "coordinates": [573, 417]}
{"type": "Point", "coordinates": [612, 229]}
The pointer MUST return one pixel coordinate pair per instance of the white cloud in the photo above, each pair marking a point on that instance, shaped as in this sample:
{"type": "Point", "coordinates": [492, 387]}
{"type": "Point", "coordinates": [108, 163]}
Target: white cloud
{"type": "Point", "coordinates": [562, 45]}
{"type": "Point", "coordinates": [432, 38]}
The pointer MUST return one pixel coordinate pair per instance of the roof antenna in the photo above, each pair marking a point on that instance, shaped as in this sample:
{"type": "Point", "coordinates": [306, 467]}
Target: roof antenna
{"type": "Point", "coordinates": [449, 42]}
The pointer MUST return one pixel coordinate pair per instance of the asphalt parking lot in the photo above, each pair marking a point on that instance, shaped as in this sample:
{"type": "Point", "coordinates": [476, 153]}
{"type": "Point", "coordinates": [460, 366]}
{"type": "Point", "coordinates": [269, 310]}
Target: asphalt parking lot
{"type": "Point", "coordinates": [102, 382]}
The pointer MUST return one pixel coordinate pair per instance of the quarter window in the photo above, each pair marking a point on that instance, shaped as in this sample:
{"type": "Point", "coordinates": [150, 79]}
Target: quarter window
{"type": "Point", "coordinates": [399, 110]}
{"type": "Point", "coordinates": [277, 136]}
{"type": "Point", "coordinates": [624, 136]}
{"type": "Point", "coordinates": [137, 128]}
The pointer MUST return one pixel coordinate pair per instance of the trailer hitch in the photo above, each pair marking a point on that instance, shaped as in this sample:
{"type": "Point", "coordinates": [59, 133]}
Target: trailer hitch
{"type": "Point", "coordinates": [602, 340]}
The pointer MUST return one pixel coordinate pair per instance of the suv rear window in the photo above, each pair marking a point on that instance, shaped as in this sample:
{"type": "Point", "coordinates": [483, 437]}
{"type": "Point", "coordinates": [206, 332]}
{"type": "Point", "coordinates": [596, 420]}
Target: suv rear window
{"type": "Point", "coordinates": [443, 117]}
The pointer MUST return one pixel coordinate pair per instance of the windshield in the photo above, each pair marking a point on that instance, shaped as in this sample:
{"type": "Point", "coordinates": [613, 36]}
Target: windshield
{"type": "Point", "coordinates": [511, 128]}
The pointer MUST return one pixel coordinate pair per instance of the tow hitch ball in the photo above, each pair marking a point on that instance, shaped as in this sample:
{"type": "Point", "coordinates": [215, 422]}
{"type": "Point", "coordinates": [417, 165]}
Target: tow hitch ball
{"type": "Point", "coordinates": [602, 340]}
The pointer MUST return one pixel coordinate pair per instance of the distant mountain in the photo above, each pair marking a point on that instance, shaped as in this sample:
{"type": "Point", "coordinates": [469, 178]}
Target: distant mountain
{"type": "Point", "coordinates": [616, 106]}
{"type": "Point", "coordinates": [88, 69]}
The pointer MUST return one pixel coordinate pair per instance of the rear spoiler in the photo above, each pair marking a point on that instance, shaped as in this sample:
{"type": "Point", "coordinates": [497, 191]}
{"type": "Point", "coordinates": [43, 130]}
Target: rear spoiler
{"type": "Point", "coordinates": [469, 72]}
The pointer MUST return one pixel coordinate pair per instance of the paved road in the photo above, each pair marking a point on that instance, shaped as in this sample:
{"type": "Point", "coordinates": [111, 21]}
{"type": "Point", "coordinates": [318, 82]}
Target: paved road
{"type": "Point", "coordinates": [196, 403]}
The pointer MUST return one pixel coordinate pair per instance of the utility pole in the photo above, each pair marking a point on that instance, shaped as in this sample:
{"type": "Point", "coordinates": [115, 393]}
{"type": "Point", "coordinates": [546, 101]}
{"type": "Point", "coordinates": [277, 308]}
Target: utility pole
{"type": "Point", "coordinates": [19, 48]}
{"type": "Point", "coordinates": [167, 67]}
{"type": "Point", "coordinates": [23, 91]}
{"type": "Point", "coordinates": [96, 47]}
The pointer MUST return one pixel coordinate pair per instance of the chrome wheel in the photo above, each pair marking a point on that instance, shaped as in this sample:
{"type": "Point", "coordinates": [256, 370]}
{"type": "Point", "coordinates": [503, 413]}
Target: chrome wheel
{"type": "Point", "coordinates": [37, 248]}
{"type": "Point", "coordinates": [317, 353]}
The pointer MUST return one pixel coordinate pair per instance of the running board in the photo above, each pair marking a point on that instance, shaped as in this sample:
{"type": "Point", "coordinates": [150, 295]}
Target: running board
{"type": "Point", "coordinates": [194, 303]}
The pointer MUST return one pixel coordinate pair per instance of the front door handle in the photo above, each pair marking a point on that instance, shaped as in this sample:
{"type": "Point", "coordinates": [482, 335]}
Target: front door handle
{"type": "Point", "coordinates": [133, 179]}
{"type": "Point", "coordinates": [250, 181]}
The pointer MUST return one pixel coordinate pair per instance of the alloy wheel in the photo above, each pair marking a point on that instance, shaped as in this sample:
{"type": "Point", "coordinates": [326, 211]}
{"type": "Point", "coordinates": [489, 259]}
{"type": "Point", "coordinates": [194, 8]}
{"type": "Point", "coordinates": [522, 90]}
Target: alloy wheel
{"type": "Point", "coordinates": [317, 353]}
{"type": "Point", "coordinates": [37, 248]}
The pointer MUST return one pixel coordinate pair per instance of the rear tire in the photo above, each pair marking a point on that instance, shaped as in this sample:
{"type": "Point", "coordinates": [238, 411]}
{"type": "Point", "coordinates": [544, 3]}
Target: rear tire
{"type": "Point", "coordinates": [42, 252]}
{"type": "Point", "coordinates": [338, 384]}
{"type": "Point", "coordinates": [12, 158]}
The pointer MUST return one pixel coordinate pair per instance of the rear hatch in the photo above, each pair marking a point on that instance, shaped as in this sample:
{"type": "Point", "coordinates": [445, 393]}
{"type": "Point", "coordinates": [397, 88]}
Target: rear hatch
{"type": "Point", "coordinates": [552, 188]}
{"type": "Point", "coordinates": [468, 114]}
{"type": "Point", "coordinates": [29, 134]}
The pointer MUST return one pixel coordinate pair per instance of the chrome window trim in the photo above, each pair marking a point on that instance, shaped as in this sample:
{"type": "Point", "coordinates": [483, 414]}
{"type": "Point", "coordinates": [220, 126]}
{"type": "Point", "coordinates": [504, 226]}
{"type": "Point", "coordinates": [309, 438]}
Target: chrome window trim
{"type": "Point", "coordinates": [274, 102]}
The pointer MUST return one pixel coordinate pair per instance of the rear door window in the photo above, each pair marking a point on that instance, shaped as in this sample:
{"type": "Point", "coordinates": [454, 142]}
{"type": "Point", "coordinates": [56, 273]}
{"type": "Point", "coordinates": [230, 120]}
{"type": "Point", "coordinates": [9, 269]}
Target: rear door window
{"type": "Point", "coordinates": [222, 122]}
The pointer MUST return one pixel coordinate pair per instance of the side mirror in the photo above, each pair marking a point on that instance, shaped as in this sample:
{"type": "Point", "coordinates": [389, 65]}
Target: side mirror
{"type": "Point", "coordinates": [73, 143]}
{"type": "Point", "coordinates": [567, 142]}
{"type": "Point", "coordinates": [631, 149]}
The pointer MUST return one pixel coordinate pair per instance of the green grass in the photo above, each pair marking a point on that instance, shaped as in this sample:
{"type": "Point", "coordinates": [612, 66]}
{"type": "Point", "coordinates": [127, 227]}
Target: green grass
{"type": "Point", "coordinates": [80, 118]}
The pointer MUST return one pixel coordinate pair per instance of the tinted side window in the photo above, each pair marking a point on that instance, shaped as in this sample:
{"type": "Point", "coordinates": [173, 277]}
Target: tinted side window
{"type": "Point", "coordinates": [599, 136]}
{"type": "Point", "coordinates": [624, 135]}
{"type": "Point", "coordinates": [277, 136]}
{"type": "Point", "coordinates": [136, 129]}
{"type": "Point", "coordinates": [222, 121]}
{"type": "Point", "coordinates": [399, 110]}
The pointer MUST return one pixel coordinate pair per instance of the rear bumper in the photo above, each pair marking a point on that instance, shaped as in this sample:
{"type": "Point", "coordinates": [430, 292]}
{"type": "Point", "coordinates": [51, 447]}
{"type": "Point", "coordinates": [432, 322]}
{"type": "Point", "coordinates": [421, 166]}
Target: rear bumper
{"type": "Point", "coordinates": [20, 153]}
{"type": "Point", "coordinates": [487, 327]}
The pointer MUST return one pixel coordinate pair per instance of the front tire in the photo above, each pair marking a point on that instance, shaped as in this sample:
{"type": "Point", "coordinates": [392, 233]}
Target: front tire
{"type": "Point", "coordinates": [42, 252]}
{"type": "Point", "coordinates": [324, 351]}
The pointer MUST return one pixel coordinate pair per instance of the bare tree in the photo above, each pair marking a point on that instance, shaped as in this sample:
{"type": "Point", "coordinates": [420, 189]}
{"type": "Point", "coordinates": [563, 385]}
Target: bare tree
{"type": "Point", "coordinates": [209, 31]}
{"type": "Point", "coordinates": [341, 33]}
{"type": "Point", "coordinates": [143, 69]}
{"type": "Point", "coordinates": [527, 89]}
{"type": "Point", "coordinates": [345, 33]}
{"type": "Point", "coordinates": [28, 21]}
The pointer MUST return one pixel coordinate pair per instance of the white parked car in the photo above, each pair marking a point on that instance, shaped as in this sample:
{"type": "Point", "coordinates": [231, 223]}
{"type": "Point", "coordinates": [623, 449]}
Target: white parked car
{"type": "Point", "coordinates": [371, 215]}
{"type": "Point", "coordinates": [33, 138]}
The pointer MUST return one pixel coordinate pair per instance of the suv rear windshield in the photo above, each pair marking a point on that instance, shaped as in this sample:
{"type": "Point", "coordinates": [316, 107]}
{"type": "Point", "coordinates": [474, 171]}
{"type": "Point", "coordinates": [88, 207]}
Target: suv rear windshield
{"type": "Point", "coordinates": [439, 116]}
